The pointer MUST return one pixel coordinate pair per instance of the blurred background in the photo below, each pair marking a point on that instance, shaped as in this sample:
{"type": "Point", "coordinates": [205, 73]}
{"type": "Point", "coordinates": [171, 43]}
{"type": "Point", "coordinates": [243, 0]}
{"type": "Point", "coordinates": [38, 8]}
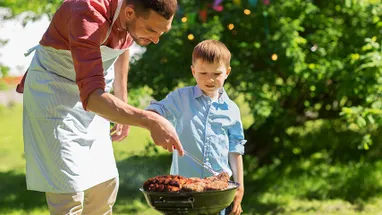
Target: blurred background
{"type": "Point", "coordinates": [306, 74]}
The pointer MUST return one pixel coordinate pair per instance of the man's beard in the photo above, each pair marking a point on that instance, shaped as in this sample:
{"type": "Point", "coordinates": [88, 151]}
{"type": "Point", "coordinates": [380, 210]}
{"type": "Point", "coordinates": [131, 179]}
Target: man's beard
{"type": "Point", "coordinates": [140, 42]}
{"type": "Point", "coordinates": [136, 39]}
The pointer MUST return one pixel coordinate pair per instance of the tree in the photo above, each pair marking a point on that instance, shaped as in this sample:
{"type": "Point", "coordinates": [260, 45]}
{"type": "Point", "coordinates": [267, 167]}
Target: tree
{"type": "Point", "coordinates": [295, 61]}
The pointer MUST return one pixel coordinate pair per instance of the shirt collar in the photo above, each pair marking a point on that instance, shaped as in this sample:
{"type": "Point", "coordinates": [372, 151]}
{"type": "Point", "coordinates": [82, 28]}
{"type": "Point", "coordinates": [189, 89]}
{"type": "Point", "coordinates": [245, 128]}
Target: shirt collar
{"type": "Point", "coordinates": [198, 93]}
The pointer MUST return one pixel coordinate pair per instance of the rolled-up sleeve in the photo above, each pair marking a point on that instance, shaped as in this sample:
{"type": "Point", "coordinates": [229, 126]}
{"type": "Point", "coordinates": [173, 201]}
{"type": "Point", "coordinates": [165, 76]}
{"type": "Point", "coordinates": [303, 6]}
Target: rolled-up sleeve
{"type": "Point", "coordinates": [170, 107]}
{"type": "Point", "coordinates": [236, 136]}
{"type": "Point", "coordinates": [87, 30]}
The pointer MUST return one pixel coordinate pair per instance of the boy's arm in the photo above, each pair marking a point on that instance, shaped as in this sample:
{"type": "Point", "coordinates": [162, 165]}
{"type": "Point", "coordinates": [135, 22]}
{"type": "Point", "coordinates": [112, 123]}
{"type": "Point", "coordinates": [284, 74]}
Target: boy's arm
{"type": "Point", "coordinates": [170, 107]}
{"type": "Point", "coordinates": [236, 136]}
{"type": "Point", "coordinates": [236, 163]}
{"type": "Point", "coordinates": [236, 150]}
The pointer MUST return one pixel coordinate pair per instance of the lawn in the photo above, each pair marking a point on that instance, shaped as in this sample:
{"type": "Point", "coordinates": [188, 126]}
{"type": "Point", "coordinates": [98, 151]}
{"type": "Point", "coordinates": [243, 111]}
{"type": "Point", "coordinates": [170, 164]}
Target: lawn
{"type": "Point", "coordinates": [308, 186]}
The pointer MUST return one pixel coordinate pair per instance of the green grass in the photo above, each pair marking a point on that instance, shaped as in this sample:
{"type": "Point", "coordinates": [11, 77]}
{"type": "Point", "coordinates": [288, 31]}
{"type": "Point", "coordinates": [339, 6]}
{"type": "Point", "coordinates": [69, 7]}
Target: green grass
{"type": "Point", "coordinates": [11, 147]}
{"type": "Point", "coordinates": [309, 186]}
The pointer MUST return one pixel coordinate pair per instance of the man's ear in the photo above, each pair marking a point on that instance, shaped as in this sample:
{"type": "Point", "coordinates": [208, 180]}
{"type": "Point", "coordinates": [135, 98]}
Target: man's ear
{"type": "Point", "coordinates": [129, 13]}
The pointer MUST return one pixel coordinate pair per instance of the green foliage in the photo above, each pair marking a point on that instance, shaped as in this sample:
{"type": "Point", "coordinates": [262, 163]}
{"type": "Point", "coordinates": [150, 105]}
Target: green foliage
{"type": "Point", "coordinates": [313, 105]}
{"type": "Point", "coordinates": [36, 8]}
{"type": "Point", "coordinates": [366, 119]}
{"type": "Point", "coordinates": [294, 61]}
{"type": "Point", "coordinates": [3, 73]}
{"type": "Point", "coordinates": [4, 70]}
{"type": "Point", "coordinates": [140, 97]}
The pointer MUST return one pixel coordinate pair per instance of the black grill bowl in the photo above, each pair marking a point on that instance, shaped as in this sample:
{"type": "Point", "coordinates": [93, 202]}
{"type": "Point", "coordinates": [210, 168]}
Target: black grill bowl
{"type": "Point", "coordinates": [192, 203]}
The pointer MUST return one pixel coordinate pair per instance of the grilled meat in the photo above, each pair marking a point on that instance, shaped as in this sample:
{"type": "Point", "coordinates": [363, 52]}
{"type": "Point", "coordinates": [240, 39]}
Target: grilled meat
{"type": "Point", "coordinates": [216, 185]}
{"type": "Point", "coordinates": [176, 183]}
{"type": "Point", "coordinates": [194, 187]}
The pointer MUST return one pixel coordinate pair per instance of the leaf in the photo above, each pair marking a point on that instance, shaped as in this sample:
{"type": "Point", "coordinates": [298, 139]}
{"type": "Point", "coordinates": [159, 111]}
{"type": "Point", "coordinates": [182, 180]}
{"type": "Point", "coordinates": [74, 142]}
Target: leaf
{"type": "Point", "coordinates": [361, 122]}
{"type": "Point", "coordinates": [371, 119]}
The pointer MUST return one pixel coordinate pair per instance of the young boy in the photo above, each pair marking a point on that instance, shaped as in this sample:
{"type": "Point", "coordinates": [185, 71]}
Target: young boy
{"type": "Point", "coordinates": [207, 122]}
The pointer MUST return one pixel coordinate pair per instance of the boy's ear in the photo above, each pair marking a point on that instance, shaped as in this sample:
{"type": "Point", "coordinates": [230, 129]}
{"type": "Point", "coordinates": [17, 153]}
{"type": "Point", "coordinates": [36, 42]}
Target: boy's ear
{"type": "Point", "coordinates": [192, 70]}
{"type": "Point", "coordinates": [228, 71]}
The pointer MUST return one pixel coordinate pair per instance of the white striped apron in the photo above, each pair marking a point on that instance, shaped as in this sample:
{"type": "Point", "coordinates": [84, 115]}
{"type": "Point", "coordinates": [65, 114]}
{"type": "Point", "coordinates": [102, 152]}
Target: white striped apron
{"type": "Point", "coordinates": [67, 149]}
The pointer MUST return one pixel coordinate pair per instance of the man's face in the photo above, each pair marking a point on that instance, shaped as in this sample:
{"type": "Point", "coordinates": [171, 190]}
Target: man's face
{"type": "Point", "coordinates": [144, 29]}
{"type": "Point", "coordinates": [210, 76]}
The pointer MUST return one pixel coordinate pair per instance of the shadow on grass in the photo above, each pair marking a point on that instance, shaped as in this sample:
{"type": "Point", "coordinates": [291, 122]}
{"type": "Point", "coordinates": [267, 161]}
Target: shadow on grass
{"type": "Point", "coordinates": [349, 183]}
{"type": "Point", "coordinates": [252, 202]}
{"type": "Point", "coordinates": [133, 172]}
{"type": "Point", "coordinates": [13, 194]}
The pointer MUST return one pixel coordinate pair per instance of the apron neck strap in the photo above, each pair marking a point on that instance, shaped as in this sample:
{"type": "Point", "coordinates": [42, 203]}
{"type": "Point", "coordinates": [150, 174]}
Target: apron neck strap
{"type": "Point", "coordinates": [116, 14]}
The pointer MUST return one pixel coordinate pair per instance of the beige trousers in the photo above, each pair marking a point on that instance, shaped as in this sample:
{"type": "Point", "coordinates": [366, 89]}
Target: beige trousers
{"type": "Point", "coordinates": [97, 200]}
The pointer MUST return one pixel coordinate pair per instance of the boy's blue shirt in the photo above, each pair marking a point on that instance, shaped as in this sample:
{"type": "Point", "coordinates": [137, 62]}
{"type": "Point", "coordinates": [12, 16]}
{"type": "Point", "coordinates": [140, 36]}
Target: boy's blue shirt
{"type": "Point", "coordinates": [207, 129]}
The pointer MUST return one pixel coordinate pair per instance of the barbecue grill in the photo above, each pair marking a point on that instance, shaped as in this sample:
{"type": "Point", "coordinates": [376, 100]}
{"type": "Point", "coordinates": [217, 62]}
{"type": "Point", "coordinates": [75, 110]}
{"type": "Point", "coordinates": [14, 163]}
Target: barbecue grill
{"type": "Point", "coordinates": [191, 203]}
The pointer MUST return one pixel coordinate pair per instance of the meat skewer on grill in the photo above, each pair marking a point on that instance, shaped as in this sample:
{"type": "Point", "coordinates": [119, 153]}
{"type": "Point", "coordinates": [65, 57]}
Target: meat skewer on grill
{"type": "Point", "coordinates": [176, 183]}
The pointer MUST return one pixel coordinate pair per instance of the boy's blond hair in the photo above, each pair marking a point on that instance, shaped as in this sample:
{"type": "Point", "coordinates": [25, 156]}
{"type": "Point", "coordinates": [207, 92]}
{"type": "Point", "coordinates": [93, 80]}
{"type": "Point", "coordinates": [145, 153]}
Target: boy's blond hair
{"type": "Point", "coordinates": [211, 51]}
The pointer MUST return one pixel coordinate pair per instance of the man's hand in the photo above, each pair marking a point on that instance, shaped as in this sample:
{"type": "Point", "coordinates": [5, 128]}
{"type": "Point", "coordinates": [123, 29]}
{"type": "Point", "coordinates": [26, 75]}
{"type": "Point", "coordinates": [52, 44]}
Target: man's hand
{"type": "Point", "coordinates": [119, 132]}
{"type": "Point", "coordinates": [164, 134]}
{"type": "Point", "coordinates": [236, 207]}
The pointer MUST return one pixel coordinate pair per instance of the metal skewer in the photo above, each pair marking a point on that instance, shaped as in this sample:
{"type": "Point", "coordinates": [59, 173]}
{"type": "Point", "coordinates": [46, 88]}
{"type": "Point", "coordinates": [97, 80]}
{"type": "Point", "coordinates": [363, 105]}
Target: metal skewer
{"type": "Point", "coordinates": [201, 163]}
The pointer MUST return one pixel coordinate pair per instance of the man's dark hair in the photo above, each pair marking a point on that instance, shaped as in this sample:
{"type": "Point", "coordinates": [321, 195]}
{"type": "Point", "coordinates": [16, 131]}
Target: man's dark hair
{"type": "Point", "coordinates": [165, 8]}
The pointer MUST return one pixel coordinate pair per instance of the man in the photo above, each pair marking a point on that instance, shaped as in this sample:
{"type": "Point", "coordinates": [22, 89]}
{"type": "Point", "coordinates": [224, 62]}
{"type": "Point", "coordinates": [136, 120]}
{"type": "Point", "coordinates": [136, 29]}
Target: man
{"type": "Point", "coordinates": [67, 107]}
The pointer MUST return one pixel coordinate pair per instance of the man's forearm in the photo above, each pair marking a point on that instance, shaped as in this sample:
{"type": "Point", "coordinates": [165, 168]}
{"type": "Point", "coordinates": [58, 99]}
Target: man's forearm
{"type": "Point", "coordinates": [117, 111]}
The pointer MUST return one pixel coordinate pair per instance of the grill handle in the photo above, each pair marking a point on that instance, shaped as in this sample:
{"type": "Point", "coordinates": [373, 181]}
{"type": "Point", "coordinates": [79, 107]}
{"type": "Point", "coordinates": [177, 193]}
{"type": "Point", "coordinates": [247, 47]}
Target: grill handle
{"type": "Point", "coordinates": [162, 202]}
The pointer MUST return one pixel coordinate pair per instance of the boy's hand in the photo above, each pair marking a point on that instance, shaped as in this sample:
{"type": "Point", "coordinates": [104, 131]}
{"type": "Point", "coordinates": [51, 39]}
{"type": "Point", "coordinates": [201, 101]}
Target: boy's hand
{"type": "Point", "coordinates": [119, 132]}
{"type": "Point", "coordinates": [236, 207]}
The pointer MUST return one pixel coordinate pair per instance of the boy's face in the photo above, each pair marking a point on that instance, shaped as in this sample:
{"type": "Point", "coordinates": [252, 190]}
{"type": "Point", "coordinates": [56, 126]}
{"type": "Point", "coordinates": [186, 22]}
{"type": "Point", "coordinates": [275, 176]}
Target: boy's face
{"type": "Point", "coordinates": [210, 76]}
